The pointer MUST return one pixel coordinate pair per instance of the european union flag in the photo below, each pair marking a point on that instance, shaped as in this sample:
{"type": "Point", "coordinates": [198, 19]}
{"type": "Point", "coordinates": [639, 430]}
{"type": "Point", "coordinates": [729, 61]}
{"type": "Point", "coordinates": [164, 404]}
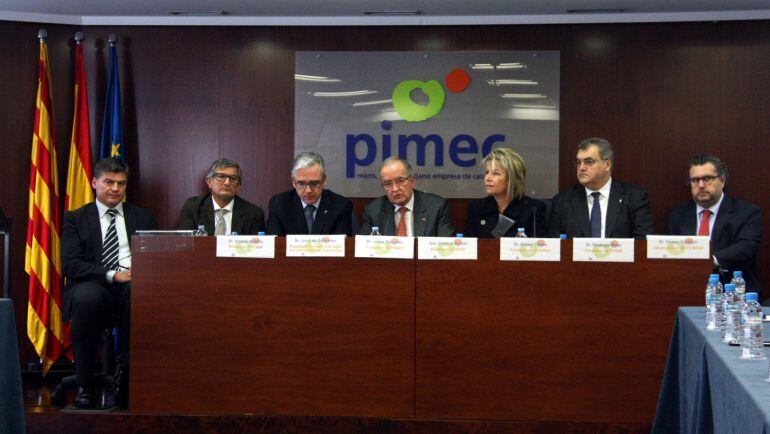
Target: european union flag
{"type": "Point", "coordinates": [112, 124]}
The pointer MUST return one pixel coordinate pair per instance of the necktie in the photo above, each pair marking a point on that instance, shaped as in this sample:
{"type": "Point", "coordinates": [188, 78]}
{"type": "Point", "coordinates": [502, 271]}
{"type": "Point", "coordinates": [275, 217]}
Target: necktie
{"type": "Point", "coordinates": [401, 232]}
{"type": "Point", "coordinates": [703, 228]}
{"type": "Point", "coordinates": [596, 217]}
{"type": "Point", "coordinates": [221, 226]}
{"type": "Point", "coordinates": [111, 247]}
{"type": "Point", "coordinates": [309, 218]}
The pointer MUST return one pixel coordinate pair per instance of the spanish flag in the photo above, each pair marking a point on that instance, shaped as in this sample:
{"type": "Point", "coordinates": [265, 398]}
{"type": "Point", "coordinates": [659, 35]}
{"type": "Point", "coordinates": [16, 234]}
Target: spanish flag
{"type": "Point", "coordinates": [79, 171]}
{"type": "Point", "coordinates": [42, 259]}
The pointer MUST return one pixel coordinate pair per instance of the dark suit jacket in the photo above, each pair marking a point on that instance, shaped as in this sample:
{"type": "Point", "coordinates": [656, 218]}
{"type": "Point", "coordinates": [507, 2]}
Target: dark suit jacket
{"type": "Point", "coordinates": [81, 244]}
{"type": "Point", "coordinates": [288, 217]}
{"type": "Point", "coordinates": [735, 237]}
{"type": "Point", "coordinates": [430, 216]}
{"type": "Point", "coordinates": [525, 212]}
{"type": "Point", "coordinates": [628, 213]}
{"type": "Point", "coordinates": [248, 219]}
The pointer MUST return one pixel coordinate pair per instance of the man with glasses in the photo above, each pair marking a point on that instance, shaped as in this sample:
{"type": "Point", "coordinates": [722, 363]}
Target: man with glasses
{"type": "Point", "coordinates": [599, 206]}
{"type": "Point", "coordinates": [309, 208]}
{"type": "Point", "coordinates": [96, 261]}
{"type": "Point", "coordinates": [733, 225]}
{"type": "Point", "coordinates": [222, 211]}
{"type": "Point", "coordinates": [404, 211]}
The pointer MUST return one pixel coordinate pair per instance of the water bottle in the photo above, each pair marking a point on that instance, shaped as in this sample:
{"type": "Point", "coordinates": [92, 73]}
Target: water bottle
{"type": "Point", "coordinates": [719, 306]}
{"type": "Point", "coordinates": [711, 308]}
{"type": "Point", "coordinates": [375, 230]}
{"type": "Point", "coordinates": [732, 326]}
{"type": "Point", "coordinates": [752, 345]}
{"type": "Point", "coordinates": [520, 233]}
{"type": "Point", "coordinates": [201, 232]}
{"type": "Point", "coordinates": [740, 285]}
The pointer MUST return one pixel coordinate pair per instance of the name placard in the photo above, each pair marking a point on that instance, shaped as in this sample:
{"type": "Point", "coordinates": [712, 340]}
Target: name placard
{"type": "Point", "coordinates": [603, 249]}
{"type": "Point", "coordinates": [246, 246]}
{"type": "Point", "coordinates": [530, 249]}
{"type": "Point", "coordinates": [450, 248]}
{"type": "Point", "coordinates": [315, 245]}
{"type": "Point", "coordinates": [677, 247]}
{"type": "Point", "coordinates": [375, 246]}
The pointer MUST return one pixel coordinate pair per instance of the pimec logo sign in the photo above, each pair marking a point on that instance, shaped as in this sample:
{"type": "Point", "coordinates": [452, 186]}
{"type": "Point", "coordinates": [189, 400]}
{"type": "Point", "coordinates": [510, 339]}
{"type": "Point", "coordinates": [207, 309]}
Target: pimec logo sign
{"type": "Point", "coordinates": [441, 111]}
{"type": "Point", "coordinates": [460, 147]}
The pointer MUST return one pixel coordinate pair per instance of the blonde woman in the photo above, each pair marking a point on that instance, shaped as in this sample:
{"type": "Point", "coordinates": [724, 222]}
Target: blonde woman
{"type": "Point", "coordinates": [506, 208]}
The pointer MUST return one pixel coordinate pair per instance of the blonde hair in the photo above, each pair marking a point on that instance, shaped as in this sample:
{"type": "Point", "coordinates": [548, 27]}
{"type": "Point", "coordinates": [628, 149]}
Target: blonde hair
{"type": "Point", "coordinates": [514, 166]}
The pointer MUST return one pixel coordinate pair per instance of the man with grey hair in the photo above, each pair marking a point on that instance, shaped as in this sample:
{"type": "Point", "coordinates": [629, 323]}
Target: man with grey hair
{"type": "Point", "coordinates": [404, 211]}
{"type": "Point", "coordinates": [733, 225]}
{"type": "Point", "coordinates": [599, 206]}
{"type": "Point", "coordinates": [222, 211]}
{"type": "Point", "coordinates": [309, 208]}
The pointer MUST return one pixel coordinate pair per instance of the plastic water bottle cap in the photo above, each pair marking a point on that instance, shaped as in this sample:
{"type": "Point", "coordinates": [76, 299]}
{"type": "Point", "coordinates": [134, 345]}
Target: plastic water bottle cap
{"type": "Point", "coordinates": [459, 235]}
{"type": "Point", "coordinates": [375, 228]}
{"type": "Point", "coordinates": [729, 287]}
{"type": "Point", "coordinates": [713, 281]}
{"type": "Point", "coordinates": [563, 236]}
{"type": "Point", "coordinates": [714, 275]}
{"type": "Point", "coordinates": [261, 233]}
{"type": "Point", "coordinates": [233, 233]}
{"type": "Point", "coordinates": [520, 229]}
{"type": "Point", "coordinates": [751, 296]}
{"type": "Point", "coordinates": [737, 273]}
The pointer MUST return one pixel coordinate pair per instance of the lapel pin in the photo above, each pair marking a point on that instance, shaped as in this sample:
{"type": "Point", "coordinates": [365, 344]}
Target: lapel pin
{"type": "Point", "coordinates": [483, 222]}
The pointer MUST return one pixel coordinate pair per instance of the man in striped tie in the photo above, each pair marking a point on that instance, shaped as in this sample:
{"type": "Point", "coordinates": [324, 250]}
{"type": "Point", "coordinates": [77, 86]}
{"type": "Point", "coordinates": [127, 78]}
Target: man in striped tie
{"type": "Point", "coordinates": [96, 260]}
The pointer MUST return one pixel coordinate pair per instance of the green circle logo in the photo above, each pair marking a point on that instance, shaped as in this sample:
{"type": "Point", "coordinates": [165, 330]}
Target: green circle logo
{"type": "Point", "coordinates": [411, 111]}
{"type": "Point", "coordinates": [675, 249]}
{"type": "Point", "coordinates": [601, 251]}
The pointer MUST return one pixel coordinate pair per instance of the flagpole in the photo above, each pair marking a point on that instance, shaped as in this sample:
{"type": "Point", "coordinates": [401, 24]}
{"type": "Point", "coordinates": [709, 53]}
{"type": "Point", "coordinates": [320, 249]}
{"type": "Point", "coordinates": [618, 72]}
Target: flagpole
{"type": "Point", "coordinates": [112, 40]}
{"type": "Point", "coordinates": [79, 38]}
{"type": "Point", "coordinates": [42, 35]}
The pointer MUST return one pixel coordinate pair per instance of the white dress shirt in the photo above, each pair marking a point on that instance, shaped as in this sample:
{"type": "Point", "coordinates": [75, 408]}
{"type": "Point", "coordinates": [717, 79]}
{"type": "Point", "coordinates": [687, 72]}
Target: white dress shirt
{"type": "Point", "coordinates": [604, 200]}
{"type": "Point", "coordinates": [124, 249]}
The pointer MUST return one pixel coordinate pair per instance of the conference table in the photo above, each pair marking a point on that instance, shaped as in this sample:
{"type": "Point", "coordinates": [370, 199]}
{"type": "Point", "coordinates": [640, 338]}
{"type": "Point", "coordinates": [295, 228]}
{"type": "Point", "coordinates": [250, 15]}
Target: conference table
{"type": "Point", "coordinates": [706, 387]}
{"type": "Point", "coordinates": [11, 399]}
{"type": "Point", "coordinates": [480, 339]}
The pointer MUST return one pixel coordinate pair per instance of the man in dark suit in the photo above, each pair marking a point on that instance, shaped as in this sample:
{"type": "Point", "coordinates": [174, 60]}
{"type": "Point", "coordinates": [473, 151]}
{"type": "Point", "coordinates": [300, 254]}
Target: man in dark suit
{"type": "Point", "coordinates": [600, 207]}
{"type": "Point", "coordinates": [404, 211]}
{"type": "Point", "coordinates": [222, 211]}
{"type": "Point", "coordinates": [96, 259]}
{"type": "Point", "coordinates": [733, 225]}
{"type": "Point", "coordinates": [309, 208]}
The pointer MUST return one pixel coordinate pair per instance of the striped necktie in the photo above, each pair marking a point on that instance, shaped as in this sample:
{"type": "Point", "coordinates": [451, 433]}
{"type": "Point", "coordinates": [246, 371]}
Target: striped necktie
{"type": "Point", "coordinates": [221, 227]}
{"type": "Point", "coordinates": [111, 246]}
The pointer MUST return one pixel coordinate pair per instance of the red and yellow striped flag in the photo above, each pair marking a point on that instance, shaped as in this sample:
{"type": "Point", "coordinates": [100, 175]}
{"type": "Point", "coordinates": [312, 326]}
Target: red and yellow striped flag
{"type": "Point", "coordinates": [42, 259]}
{"type": "Point", "coordinates": [79, 171]}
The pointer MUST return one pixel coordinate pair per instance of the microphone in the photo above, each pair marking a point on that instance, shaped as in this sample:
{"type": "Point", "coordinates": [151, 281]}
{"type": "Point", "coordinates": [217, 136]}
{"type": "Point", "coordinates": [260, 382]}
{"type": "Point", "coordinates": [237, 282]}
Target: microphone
{"type": "Point", "coordinates": [534, 222]}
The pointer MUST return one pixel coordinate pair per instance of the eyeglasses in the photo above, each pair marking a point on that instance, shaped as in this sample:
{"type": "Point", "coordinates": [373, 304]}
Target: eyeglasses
{"type": "Point", "coordinates": [389, 185]}
{"type": "Point", "coordinates": [589, 162]}
{"type": "Point", "coordinates": [220, 177]}
{"type": "Point", "coordinates": [301, 185]}
{"type": "Point", "coordinates": [707, 180]}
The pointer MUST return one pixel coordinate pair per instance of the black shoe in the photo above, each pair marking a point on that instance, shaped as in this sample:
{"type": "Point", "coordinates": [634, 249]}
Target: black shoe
{"type": "Point", "coordinates": [84, 398]}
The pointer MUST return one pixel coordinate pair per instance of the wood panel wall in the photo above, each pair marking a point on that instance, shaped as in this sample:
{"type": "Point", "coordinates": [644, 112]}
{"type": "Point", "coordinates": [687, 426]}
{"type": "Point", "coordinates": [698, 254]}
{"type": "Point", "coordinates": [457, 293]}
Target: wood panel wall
{"type": "Point", "coordinates": [659, 92]}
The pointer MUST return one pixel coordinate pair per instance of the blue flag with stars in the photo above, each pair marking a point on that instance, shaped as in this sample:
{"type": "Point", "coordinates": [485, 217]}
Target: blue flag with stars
{"type": "Point", "coordinates": [112, 124]}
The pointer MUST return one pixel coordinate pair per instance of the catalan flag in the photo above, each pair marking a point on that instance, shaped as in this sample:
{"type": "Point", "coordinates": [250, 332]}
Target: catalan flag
{"type": "Point", "coordinates": [42, 259]}
{"type": "Point", "coordinates": [79, 171]}
{"type": "Point", "coordinates": [112, 124]}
